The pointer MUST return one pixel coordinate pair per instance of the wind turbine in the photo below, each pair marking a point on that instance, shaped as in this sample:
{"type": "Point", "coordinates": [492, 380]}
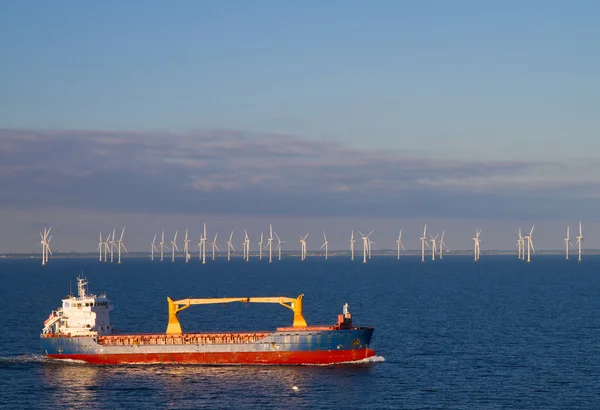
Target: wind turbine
{"type": "Point", "coordinates": [230, 247]}
{"type": "Point", "coordinates": [270, 243]}
{"type": "Point", "coordinates": [399, 242]}
{"type": "Point", "coordinates": [352, 245]}
{"type": "Point", "coordinates": [579, 243]}
{"type": "Point", "coordinates": [153, 248]}
{"type": "Point", "coordinates": [325, 244]}
{"type": "Point", "coordinates": [303, 246]}
{"type": "Point", "coordinates": [48, 250]}
{"type": "Point", "coordinates": [106, 247]}
{"type": "Point", "coordinates": [45, 247]}
{"type": "Point", "coordinates": [43, 243]}
{"type": "Point", "coordinates": [162, 246]}
{"type": "Point", "coordinates": [279, 242]}
{"type": "Point", "coordinates": [100, 246]}
{"type": "Point", "coordinates": [520, 245]}
{"type": "Point", "coordinates": [529, 244]}
{"type": "Point", "coordinates": [442, 245]}
{"type": "Point", "coordinates": [423, 243]}
{"type": "Point", "coordinates": [365, 239]}
{"type": "Point", "coordinates": [121, 245]}
{"type": "Point", "coordinates": [112, 245]}
{"type": "Point", "coordinates": [567, 243]}
{"type": "Point", "coordinates": [186, 246]}
{"type": "Point", "coordinates": [260, 246]}
{"type": "Point", "coordinates": [246, 246]}
{"type": "Point", "coordinates": [203, 242]}
{"type": "Point", "coordinates": [433, 246]}
{"type": "Point", "coordinates": [214, 246]}
{"type": "Point", "coordinates": [200, 248]}
{"type": "Point", "coordinates": [174, 247]}
{"type": "Point", "coordinates": [477, 244]}
{"type": "Point", "coordinates": [369, 243]}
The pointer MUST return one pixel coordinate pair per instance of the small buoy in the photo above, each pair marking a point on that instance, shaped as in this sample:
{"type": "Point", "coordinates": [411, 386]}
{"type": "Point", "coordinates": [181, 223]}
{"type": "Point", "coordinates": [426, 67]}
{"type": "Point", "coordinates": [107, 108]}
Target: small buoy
{"type": "Point", "coordinates": [295, 388]}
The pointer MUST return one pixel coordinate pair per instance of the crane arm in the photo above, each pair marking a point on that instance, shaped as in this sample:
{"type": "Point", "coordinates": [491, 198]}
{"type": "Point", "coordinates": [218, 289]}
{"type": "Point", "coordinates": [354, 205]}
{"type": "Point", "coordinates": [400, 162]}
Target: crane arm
{"type": "Point", "coordinates": [176, 306]}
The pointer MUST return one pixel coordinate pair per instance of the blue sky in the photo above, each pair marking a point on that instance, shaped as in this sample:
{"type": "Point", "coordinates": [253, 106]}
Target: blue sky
{"type": "Point", "coordinates": [467, 113]}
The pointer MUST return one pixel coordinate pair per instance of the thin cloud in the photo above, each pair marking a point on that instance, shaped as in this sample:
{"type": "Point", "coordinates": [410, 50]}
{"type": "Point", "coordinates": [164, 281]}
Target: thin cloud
{"type": "Point", "coordinates": [252, 173]}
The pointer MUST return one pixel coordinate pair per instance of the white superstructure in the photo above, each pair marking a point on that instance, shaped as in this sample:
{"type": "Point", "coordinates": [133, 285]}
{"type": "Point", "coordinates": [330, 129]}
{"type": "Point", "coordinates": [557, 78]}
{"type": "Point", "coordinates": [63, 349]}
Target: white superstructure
{"type": "Point", "coordinates": [81, 315]}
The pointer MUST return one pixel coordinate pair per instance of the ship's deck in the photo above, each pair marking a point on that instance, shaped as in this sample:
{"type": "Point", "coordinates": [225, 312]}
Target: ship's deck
{"type": "Point", "coordinates": [182, 339]}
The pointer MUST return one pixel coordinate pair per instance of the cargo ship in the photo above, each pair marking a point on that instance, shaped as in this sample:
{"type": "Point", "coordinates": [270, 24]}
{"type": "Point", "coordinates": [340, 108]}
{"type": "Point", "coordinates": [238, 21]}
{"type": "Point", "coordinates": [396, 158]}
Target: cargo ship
{"type": "Point", "coordinates": [81, 330]}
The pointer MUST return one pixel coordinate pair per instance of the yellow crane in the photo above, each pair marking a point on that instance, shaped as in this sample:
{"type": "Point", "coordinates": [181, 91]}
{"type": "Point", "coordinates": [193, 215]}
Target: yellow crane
{"type": "Point", "coordinates": [176, 306]}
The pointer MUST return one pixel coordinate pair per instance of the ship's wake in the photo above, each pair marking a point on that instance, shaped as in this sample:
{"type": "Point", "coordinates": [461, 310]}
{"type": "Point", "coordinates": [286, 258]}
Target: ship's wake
{"type": "Point", "coordinates": [23, 358]}
{"type": "Point", "coordinates": [368, 360]}
{"type": "Point", "coordinates": [35, 358]}
{"type": "Point", "coordinates": [372, 359]}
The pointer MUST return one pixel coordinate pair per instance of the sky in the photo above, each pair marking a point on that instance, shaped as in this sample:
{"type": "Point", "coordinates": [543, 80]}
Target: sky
{"type": "Point", "coordinates": [311, 115]}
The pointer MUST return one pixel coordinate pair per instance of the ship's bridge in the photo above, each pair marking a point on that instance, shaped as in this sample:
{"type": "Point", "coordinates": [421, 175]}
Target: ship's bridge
{"type": "Point", "coordinates": [82, 315]}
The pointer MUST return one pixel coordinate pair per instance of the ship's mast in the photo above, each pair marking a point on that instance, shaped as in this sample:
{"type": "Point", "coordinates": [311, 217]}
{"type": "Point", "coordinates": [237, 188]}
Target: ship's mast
{"type": "Point", "coordinates": [81, 286]}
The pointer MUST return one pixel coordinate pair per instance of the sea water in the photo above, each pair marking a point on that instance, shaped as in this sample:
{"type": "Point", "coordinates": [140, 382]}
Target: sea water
{"type": "Point", "coordinates": [499, 333]}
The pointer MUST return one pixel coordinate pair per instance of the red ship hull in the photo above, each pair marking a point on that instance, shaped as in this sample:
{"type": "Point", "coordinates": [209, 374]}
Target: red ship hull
{"type": "Point", "coordinates": [258, 358]}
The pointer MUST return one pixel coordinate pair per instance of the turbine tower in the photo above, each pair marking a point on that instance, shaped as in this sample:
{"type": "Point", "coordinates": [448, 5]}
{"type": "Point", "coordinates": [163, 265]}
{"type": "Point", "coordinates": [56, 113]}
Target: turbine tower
{"type": "Point", "coordinates": [433, 246]}
{"type": "Point", "coordinates": [162, 246]}
{"type": "Point", "coordinates": [45, 242]}
{"type": "Point", "coordinates": [203, 242]}
{"type": "Point", "coordinates": [579, 243]}
{"type": "Point", "coordinates": [200, 248]}
{"type": "Point", "coordinates": [112, 245]}
{"type": "Point", "coordinates": [303, 246]}
{"type": "Point", "coordinates": [365, 239]}
{"type": "Point", "coordinates": [423, 243]}
{"type": "Point", "coordinates": [399, 242]}
{"type": "Point", "coordinates": [567, 243]}
{"type": "Point", "coordinates": [520, 246]}
{"type": "Point", "coordinates": [100, 247]}
{"type": "Point", "coordinates": [106, 247]}
{"type": "Point", "coordinates": [325, 244]}
{"type": "Point", "coordinates": [121, 245]}
{"type": "Point", "coordinates": [529, 244]}
{"type": "Point", "coordinates": [174, 247]}
{"type": "Point", "coordinates": [48, 250]}
{"type": "Point", "coordinates": [247, 246]}
{"type": "Point", "coordinates": [244, 244]}
{"type": "Point", "coordinates": [352, 245]}
{"type": "Point", "coordinates": [153, 248]}
{"type": "Point", "coordinates": [214, 246]}
{"type": "Point", "coordinates": [186, 246]}
{"type": "Point", "coordinates": [369, 243]}
{"type": "Point", "coordinates": [260, 246]}
{"type": "Point", "coordinates": [270, 243]}
{"type": "Point", "coordinates": [279, 242]}
{"type": "Point", "coordinates": [442, 245]}
{"type": "Point", "coordinates": [476, 245]}
{"type": "Point", "coordinates": [230, 247]}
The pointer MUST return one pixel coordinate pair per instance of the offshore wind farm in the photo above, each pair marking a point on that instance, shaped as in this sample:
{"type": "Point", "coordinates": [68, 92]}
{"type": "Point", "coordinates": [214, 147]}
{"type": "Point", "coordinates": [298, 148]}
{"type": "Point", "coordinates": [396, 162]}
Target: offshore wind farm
{"type": "Point", "coordinates": [434, 245]}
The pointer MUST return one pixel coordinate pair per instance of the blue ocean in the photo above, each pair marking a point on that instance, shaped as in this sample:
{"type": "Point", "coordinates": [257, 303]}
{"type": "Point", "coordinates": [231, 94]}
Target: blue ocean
{"type": "Point", "coordinates": [499, 333]}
